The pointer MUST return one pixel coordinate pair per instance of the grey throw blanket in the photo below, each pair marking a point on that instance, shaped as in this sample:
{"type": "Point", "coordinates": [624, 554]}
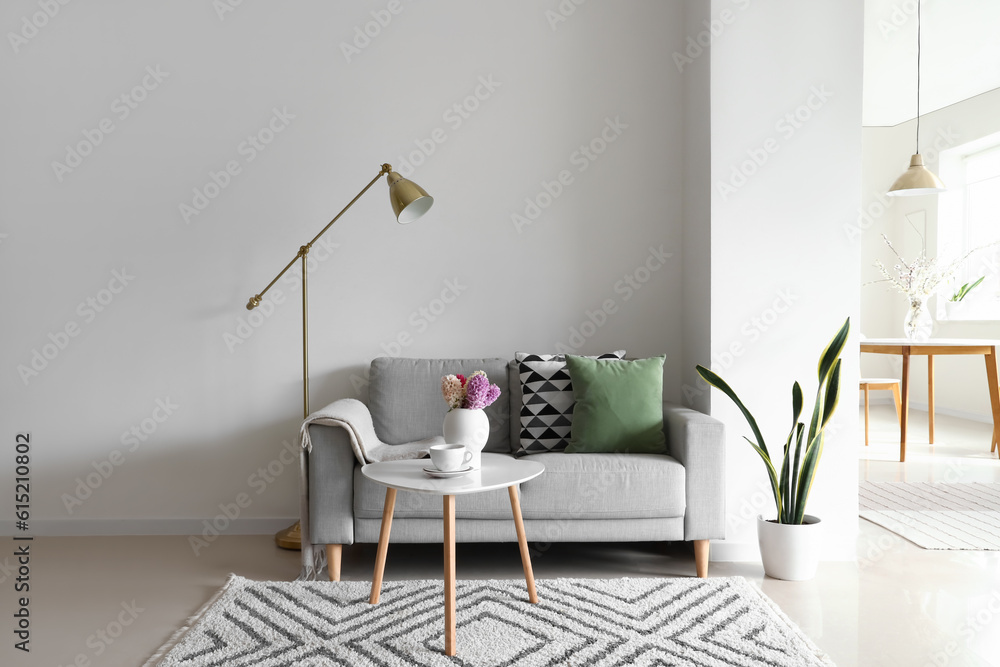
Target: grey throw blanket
{"type": "Point", "coordinates": [353, 416]}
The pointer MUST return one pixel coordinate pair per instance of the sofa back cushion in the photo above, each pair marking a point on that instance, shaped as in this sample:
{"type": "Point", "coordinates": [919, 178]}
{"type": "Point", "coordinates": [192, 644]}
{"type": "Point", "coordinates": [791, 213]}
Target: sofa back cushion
{"type": "Point", "coordinates": [406, 403]}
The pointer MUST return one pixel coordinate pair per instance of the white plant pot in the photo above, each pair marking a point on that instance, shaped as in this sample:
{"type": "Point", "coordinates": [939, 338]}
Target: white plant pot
{"type": "Point", "coordinates": [957, 310]}
{"type": "Point", "coordinates": [470, 428]}
{"type": "Point", "coordinates": [788, 551]}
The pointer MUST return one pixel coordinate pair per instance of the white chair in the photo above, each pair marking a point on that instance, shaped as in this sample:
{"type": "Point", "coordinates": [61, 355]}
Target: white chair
{"type": "Point", "coordinates": [877, 384]}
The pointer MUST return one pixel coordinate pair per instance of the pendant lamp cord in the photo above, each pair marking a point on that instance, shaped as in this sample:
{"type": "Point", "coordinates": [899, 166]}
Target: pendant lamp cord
{"type": "Point", "coordinates": [918, 77]}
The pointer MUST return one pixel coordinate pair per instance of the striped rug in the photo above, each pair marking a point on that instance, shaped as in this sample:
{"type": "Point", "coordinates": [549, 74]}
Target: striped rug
{"type": "Point", "coordinates": [935, 515]}
{"type": "Point", "coordinates": [718, 622]}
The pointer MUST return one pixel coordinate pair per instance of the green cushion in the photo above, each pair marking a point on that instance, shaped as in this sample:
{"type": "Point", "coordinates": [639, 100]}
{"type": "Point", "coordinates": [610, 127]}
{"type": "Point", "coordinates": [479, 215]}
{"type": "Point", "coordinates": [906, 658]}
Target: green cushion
{"type": "Point", "coordinates": [619, 405]}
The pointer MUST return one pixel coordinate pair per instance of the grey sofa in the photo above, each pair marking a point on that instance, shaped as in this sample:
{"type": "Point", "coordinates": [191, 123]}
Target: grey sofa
{"type": "Point", "coordinates": [580, 497]}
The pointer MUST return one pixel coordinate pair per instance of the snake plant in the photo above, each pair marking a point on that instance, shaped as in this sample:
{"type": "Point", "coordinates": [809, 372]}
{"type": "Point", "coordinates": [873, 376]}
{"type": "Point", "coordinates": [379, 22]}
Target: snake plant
{"type": "Point", "coordinates": [803, 448]}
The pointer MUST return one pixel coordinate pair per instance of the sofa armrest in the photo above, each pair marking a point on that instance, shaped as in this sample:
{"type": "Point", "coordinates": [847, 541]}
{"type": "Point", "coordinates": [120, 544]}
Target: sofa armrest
{"type": "Point", "coordinates": [331, 486]}
{"type": "Point", "coordinates": [698, 441]}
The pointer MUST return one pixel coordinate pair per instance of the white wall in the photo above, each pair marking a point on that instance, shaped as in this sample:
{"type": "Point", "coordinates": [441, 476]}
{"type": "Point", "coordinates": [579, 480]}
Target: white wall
{"type": "Point", "coordinates": [960, 382]}
{"type": "Point", "coordinates": [559, 83]}
{"type": "Point", "coordinates": [960, 56]}
{"type": "Point", "coordinates": [783, 273]}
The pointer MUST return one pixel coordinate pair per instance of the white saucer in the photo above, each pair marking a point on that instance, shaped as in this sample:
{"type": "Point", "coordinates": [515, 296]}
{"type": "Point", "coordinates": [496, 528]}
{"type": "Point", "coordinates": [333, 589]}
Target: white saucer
{"type": "Point", "coordinates": [434, 472]}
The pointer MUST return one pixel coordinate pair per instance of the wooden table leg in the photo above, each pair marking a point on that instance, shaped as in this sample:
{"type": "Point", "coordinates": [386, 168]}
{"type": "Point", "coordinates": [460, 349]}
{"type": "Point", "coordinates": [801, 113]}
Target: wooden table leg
{"type": "Point", "coordinates": [383, 544]}
{"type": "Point", "coordinates": [930, 398]}
{"type": "Point", "coordinates": [906, 404]}
{"type": "Point", "coordinates": [450, 639]}
{"type": "Point", "coordinates": [522, 542]}
{"type": "Point", "coordinates": [991, 377]}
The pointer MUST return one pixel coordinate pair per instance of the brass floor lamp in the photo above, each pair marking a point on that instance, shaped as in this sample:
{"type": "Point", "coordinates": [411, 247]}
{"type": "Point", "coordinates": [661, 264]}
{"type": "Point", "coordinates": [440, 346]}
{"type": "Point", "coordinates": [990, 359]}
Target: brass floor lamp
{"type": "Point", "coordinates": [409, 202]}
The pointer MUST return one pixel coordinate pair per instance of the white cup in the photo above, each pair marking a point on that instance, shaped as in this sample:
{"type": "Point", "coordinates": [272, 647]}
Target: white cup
{"type": "Point", "coordinates": [448, 458]}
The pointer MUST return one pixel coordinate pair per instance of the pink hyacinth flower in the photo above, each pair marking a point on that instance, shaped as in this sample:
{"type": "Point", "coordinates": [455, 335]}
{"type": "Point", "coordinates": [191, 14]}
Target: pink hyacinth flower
{"type": "Point", "coordinates": [479, 393]}
{"type": "Point", "coordinates": [452, 391]}
{"type": "Point", "coordinates": [493, 394]}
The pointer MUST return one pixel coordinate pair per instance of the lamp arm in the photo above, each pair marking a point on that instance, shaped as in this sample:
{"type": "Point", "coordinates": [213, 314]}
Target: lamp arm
{"type": "Point", "coordinates": [304, 250]}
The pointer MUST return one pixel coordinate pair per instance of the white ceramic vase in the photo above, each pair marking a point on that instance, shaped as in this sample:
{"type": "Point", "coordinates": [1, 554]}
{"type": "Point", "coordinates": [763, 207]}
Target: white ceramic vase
{"type": "Point", "coordinates": [471, 428]}
{"type": "Point", "coordinates": [789, 552]}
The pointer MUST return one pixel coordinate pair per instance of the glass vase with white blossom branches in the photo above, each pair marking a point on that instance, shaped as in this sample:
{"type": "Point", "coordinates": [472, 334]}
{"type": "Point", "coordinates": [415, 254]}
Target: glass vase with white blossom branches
{"type": "Point", "coordinates": [918, 280]}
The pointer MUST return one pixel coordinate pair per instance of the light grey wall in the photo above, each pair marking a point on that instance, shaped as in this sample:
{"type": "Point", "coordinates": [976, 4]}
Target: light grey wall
{"type": "Point", "coordinates": [695, 67]}
{"type": "Point", "coordinates": [198, 83]}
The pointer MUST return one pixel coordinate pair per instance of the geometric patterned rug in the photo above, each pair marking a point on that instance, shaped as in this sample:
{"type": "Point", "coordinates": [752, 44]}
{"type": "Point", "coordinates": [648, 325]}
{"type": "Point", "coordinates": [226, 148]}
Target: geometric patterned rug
{"type": "Point", "coordinates": [936, 515]}
{"type": "Point", "coordinates": [599, 622]}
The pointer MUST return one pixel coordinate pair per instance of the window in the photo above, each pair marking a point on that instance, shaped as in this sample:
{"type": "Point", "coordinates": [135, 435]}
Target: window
{"type": "Point", "coordinates": [969, 218]}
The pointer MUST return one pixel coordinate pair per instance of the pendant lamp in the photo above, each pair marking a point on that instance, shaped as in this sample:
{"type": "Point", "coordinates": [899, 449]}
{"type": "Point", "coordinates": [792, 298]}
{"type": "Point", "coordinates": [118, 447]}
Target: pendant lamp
{"type": "Point", "coordinates": [917, 179]}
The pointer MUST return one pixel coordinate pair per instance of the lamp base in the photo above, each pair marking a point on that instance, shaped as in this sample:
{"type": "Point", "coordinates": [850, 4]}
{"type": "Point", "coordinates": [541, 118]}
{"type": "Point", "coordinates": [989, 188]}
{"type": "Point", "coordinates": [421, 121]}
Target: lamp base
{"type": "Point", "coordinates": [290, 538]}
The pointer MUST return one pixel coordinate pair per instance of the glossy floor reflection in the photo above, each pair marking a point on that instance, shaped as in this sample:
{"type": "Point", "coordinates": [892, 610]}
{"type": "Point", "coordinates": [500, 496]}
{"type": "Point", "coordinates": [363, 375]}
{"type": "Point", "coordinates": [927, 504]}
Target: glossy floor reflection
{"type": "Point", "coordinates": [921, 607]}
{"type": "Point", "coordinates": [898, 606]}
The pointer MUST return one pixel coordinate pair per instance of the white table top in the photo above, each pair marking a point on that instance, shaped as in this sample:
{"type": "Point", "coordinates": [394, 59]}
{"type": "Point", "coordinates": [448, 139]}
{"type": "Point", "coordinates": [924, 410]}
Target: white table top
{"type": "Point", "coordinates": [498, 472]}
{"type": "Point", "coordinates": [931, 342]}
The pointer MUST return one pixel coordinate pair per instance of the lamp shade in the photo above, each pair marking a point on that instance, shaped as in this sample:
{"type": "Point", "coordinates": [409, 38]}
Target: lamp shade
{"type": "Point", "coordinates": [409, 200]}
{"type": "Point", "coordinates": [917, 180]}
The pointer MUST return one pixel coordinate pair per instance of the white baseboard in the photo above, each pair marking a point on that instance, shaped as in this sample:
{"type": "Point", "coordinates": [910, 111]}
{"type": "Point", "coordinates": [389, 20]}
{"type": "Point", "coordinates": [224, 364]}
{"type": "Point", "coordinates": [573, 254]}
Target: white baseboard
{"type": "Point", "coordinates": [721, 551]}
{"type": "Point", "coordinates": [111, 527]}
{"type": "Point", "coordinates": [960, 414]}
{"type": "Point", "coordinates": [733, 552]}
{"type": "Point", "coordinates": [742, 552]}
{"type": "Point", "coordinates": [922, 407]}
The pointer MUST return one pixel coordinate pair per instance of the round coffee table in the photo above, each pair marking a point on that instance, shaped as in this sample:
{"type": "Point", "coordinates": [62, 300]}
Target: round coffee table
{"type": "Point", "coordinates": [498, 471]}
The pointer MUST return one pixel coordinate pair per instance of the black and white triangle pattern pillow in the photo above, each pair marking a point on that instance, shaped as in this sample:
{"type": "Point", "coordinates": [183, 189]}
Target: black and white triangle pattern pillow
{"type": "Point", "coordinates": [546, 401]}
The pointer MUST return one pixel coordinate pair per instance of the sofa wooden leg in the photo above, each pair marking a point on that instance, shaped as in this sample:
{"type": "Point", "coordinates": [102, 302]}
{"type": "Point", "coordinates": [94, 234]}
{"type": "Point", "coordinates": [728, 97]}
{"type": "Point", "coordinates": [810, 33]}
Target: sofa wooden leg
{"type": "Point", "coordinates": [701, 548]}
{"type": "Point", "coordinates": [333, 552]}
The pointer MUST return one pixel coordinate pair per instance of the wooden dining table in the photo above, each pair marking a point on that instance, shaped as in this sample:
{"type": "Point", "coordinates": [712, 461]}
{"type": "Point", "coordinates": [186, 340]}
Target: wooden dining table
{"type": "Point", "coordinates": [931, 348]}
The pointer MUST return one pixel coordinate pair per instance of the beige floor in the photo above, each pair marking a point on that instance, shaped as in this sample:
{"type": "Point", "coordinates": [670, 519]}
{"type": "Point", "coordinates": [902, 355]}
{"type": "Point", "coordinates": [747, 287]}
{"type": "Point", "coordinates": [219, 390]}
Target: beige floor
{"type": "Point", "coordinates": [899, 605]}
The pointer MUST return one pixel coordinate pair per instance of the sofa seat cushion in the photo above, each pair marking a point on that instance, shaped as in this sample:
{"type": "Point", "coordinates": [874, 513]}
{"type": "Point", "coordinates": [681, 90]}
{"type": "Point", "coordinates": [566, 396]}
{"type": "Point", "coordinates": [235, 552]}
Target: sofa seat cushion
{"type": "Point", "coordinates": [604, 486]}
{"type": "Point", "coordinates": [573, 486]}
{"type": "Point", "coordinates": [369, 498]}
